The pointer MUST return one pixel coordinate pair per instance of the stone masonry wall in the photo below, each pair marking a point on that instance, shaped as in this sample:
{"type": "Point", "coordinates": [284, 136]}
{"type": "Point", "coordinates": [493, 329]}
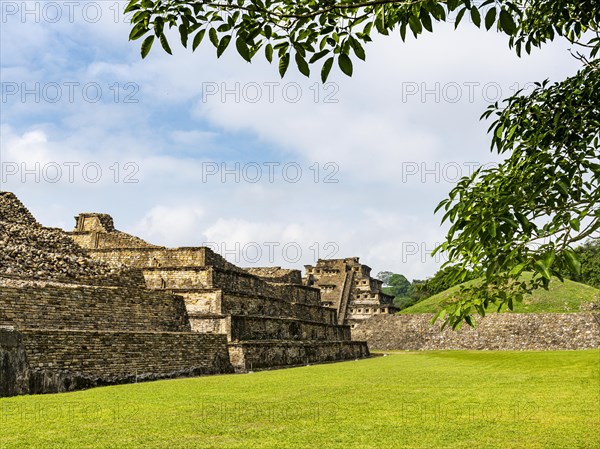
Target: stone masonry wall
{"type": "Point", "coordinates": [61, 360]}
{"type": "Point", "coordinates": [261, 328]}
{"type": "Point", "coordinates": [151, 256]}
{"type": "Point", "coordinates": [277, 274]}
{"type": "Point", "coordinates": [178, 278]}
{"type": "Point", "coordinates": [505, 331]}
{"type": "Point", "coordinates": [240, 304]}
{"type": "Point", "coordinates": [258, 355]}
{"type": "Point", "coordinates": [245, 282]}
{"type": "Point", "coordinates": [14, 372]}
{"type": "Point", "coordinates": [217, 302]}
{"type": "Point", "coordinates": [55, 307]}
{"type": "Point", "coordinates": [186, 278]}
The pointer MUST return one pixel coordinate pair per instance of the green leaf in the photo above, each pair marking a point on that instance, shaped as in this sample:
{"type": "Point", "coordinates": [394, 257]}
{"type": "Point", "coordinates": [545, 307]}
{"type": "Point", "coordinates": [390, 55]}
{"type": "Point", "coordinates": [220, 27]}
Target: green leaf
{"type": "Point", "coordinates": [358, 49]}
{"type": "Point", "coordinates": [327, 65]}
{"type": "Point", "coordinates": [492, 228]}
{"type": "Point", "coordinates": [284, 63]}
{"type": "Point", "coordinates": [302, 65]}
{"type": "Point", "coordinates": [198, 39]}
{"type": "Point", "coordinates": [403, 31]}
{"type": "Point", "coordinates": [131, 6]}
{"type": "Point", "coordinates": [183, 33]}
{"type": "Point", "coordinates": [490, 18]}
{"type": "Point", "coordinates": [269, 52]}
{"type": "Point", "coordinates": [517, 269]}
{"type": "Point", "coordinates": [507, 22]}
{"type": "Point", "coordinates": [575, 224]}
{"type": "Point", "coordinates": [475, 17]}
{"type": "Point", "coordinates": [146, 46]}
{"type": "Point", "coordinates": [415, 25]}
{"type": "Point", "coordinates": [165, 44]}
{"type": "Point", "coordinates": [459, 17]}
{"type": "Point", "coordinates": [564, 189]}
{"type": "Point", "coordinates": [318, 56]}
{"type": "Point", "coordinates": [345, 64]}
{"type": "Point", "coordinates": [268, 31]}
{"type": "Point", "coordinates": [138, 31]}
{"type": "Point", "coordinates": [549, 258]}
{"type": "Point", "coordinates": [426, 20]}
{"type": "Point", "coordinates": [242, 48]}
{"type": "Point", "coordinates": [212, 35]}
{"type": "Point", "coordinates": [542, 269]}
{"type": "Point", "coordinates": [223, 44]}
{"type": "Point", "coordinates": [573, 261]}
{"type": "Point", "coordinates": [469, 321]}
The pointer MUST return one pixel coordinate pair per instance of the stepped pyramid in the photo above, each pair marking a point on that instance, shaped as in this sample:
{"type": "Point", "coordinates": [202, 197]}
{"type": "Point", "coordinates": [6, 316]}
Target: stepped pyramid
{"type": "Point", "coordinates": [271, 320]}
{"type": "Point", "coordinates": [68, 321]}
{"type": "Point", "coordinates": [347, 286]}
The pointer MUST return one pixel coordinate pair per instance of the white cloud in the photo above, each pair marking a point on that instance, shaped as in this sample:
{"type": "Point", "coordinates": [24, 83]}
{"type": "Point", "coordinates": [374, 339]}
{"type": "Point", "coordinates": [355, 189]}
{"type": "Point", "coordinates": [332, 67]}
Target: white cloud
{"type": "Point", "coordinates": [171, 225]}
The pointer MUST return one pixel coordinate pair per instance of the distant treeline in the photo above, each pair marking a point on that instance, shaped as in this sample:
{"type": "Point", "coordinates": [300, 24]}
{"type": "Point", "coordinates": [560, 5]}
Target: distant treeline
{"type": "Point", "coordinates": [408, 293]}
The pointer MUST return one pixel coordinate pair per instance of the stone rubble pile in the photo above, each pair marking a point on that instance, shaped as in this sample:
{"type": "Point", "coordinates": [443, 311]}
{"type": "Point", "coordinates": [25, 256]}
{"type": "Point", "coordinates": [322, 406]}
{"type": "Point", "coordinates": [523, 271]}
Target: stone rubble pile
{"type": "Point", "coordinates": [35, 252]}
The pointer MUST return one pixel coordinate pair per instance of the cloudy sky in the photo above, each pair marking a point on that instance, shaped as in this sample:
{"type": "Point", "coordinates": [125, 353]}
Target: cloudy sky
{"type": "Point", "coordinates": [188, 150]}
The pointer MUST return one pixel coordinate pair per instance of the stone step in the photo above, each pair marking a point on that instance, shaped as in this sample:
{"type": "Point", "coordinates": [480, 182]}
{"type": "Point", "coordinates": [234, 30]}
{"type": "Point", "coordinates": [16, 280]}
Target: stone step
{"type": "Point", "coordinates": [220, 301]}
{"type": "Point", "coordinates": [66, 360]}
{"type": "Point", "coordinates": [263, 355]}
{"type": "Point", "coordinates": [253, 327]}
{"type": "Point", "coordinates": [249, 328]}
{"type": "Point", "coordinates": [91, 307]}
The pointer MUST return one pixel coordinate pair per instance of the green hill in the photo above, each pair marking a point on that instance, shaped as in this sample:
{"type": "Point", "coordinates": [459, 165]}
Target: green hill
{"type": "Point", "coordinates": [567, 297]}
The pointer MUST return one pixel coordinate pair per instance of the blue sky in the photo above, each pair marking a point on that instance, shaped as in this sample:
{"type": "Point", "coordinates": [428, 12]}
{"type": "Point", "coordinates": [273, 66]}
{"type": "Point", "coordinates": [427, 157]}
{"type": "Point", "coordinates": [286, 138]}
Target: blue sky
{"type": "Point", "coordinates": [186, 150]}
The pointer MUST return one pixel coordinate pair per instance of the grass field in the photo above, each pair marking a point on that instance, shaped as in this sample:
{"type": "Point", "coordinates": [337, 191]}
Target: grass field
{"type": "Point", "coordinates": [561, 297]}
{"type": "Point", "coordinates": [432, 400]}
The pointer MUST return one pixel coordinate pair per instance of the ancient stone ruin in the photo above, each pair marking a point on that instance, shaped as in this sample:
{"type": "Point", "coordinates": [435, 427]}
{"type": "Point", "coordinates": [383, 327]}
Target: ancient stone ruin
{"type": "Point", "coordinates": [69, 322]}
{"type": "Point", "coordinates": [269, 317]}
{"type": "Point", "coordinates": [347, 286]}
{"type": "Point", "coordinates": [99, 306]}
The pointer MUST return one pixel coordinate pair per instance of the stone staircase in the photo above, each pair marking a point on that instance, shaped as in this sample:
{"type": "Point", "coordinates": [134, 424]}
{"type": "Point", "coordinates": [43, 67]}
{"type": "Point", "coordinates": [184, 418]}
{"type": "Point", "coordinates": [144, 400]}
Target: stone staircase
{"type": "Point", "coordinates": [345, 296]}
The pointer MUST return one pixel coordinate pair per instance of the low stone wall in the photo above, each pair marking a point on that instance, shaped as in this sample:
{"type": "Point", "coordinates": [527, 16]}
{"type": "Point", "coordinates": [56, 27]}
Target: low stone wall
{"type": "Point", "coordinates": [60, 360]}
{"type": "Point", "coordinates": [504, 331]}
{"type": "Point", "coordinates": [109, 250]}
{"type": "Point", "coordinates": [263, 328]}
{"type": "Point", "coordinates": [179, 278]}
{"type": "Point", "coordinates": [240, 304]}
{"type": "Point", "coordinates": [277, 274]}
{"type": "Point", "coordinates": [234, 282]}
{"type": "Point", "coordinates": [146, 257]}
{"type": "Point", "coordinates": [256, 355]}
{"type": "Point", "coordinates": [115, 239]}
{"type": "Point", "coordinates": [54, 307]}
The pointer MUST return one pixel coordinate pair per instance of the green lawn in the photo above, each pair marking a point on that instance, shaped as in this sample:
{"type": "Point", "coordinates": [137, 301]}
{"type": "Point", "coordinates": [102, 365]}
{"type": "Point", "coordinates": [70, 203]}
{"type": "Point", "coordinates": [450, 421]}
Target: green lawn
{"type": "Point", "coordinates": [561, 297]}
{"type": "Point", "coordinates": [442, 399]}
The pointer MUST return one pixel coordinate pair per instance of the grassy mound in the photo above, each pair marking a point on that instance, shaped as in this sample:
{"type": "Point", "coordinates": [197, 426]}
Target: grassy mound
{"type": "Point", "coordinates": [567, 297]}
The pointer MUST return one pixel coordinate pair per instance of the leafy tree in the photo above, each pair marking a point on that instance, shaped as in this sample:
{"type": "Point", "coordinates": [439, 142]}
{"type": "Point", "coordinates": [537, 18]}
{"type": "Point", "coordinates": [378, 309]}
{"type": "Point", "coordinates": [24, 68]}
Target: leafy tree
{"type": "Point", "coordinates": [404, 302]}
{"type": "Point", "coordinates": [398, 285]}
{"type": "Point", "coordinates": [384, 276]}
{"type": "Point", "coordinates": [443, 280]}
{"type": "Point", "coordinates": [526, 214]}
{"type": "Point", "coordinates": [405, 293]}
{"type": "Point", "coordinates": [589, 256]}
